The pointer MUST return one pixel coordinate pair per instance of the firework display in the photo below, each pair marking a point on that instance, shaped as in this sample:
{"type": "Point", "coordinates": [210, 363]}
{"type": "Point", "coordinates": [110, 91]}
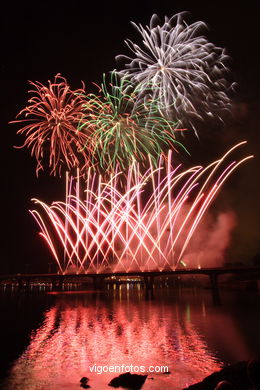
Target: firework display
{"type": "Point", "coordinates": [52, 118]}
{"type": "Point", "coordinates": [132, 229]}
{"type": "Point", "coordinates": [130, 207]}
{"type": "Point", "coordinates": [180, 69]}
{"type": "Point", "coordinates": [123, 129]}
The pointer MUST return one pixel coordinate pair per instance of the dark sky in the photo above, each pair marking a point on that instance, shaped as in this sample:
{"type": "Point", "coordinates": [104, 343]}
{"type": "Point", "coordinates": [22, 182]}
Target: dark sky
{"type": "Point", "coordinates": [80, 40]}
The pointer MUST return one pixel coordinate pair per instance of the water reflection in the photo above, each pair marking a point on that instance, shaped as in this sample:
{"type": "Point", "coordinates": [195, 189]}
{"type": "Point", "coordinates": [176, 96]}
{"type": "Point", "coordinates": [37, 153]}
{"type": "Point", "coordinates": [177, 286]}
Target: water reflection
{"type": "Point", "coordinates": [82, 330]}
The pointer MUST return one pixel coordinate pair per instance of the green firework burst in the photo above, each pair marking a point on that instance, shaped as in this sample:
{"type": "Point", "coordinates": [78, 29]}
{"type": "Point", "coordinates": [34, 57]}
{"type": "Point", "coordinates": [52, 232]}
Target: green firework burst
{"type": "Point", "coordinates": [124, 129]}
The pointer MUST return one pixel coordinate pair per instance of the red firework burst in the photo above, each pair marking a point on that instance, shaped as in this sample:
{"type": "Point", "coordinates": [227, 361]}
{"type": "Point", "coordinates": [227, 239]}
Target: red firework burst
{"type": "Point", "coordinates": [52, 117]}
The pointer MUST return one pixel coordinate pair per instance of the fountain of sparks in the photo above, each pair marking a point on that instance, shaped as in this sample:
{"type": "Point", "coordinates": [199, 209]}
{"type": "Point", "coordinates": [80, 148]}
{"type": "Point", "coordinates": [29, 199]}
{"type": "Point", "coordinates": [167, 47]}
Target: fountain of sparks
{"type": "Point", "coordinates": [145, 224]}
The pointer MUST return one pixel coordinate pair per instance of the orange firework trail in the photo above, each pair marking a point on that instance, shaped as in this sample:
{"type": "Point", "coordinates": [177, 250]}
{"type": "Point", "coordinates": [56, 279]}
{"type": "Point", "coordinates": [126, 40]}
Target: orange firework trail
{"type": "Point", "coordinates": [114, 229]}
{"type": "Point", "coordinates": [52, 118]}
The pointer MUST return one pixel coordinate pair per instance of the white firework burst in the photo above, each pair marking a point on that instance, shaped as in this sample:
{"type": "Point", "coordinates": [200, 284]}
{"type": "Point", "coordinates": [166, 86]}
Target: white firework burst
{"type": "Point", "coordinates": [180, 69]}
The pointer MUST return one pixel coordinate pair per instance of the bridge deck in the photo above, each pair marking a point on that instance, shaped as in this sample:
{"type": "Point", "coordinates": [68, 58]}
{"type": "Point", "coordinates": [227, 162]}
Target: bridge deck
{"type": "Point", "coordinates": [213, 273]}
{"type": "Point", "coordinates": [185, 271]}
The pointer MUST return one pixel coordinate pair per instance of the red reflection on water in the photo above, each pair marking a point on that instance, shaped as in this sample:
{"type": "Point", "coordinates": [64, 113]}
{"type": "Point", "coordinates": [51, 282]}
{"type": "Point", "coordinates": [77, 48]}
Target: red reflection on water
{"type": "Point", "coordinates": [74, 337]}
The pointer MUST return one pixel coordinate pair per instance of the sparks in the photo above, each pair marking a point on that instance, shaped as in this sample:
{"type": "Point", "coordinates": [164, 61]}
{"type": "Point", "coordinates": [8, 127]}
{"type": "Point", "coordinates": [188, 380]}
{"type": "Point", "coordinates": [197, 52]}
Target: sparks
{"type": "Point", "coordinates": [117, 229]}
{"type": "Point", "coordinates": [52, 118]}
{"type": "Point", "coordinates": [179, 69]}
{"type": "Point", "coordinates": [123, 129]}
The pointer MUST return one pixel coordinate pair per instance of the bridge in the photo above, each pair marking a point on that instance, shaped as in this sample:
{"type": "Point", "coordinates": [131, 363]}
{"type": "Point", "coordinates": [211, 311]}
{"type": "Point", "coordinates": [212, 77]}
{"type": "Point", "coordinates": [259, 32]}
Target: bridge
{"type": "Point", "coordinates": [24, 280]}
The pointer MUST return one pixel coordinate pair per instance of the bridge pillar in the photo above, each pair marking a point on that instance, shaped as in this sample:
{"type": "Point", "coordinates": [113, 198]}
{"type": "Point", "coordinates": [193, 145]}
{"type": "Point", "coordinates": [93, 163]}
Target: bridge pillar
{"type": "Point", "coordinates": [149, 282]}
{"type": "Point", "coordinates": [214, 288]}
{"type": "Point", "coordinates": [26, 283]}
{"type": "Point", "coordinates": [20, 283]}
{"type": "Point", "coordinates": [23, 283]}
{"type": "Point", "coordinates": [98, 282]}
{"type": "Point", "coordinates": [57, 283]}
{"type": "Point", "coordinates": [149, 285]}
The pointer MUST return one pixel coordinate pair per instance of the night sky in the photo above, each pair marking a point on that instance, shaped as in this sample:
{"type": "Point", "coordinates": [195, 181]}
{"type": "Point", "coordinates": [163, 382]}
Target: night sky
{"type": "Point", "coordinates": [80, 40]}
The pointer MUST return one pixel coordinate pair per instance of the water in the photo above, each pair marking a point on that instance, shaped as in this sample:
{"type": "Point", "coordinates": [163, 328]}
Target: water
{"type": "Point", "coordinates": [49, 340]}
